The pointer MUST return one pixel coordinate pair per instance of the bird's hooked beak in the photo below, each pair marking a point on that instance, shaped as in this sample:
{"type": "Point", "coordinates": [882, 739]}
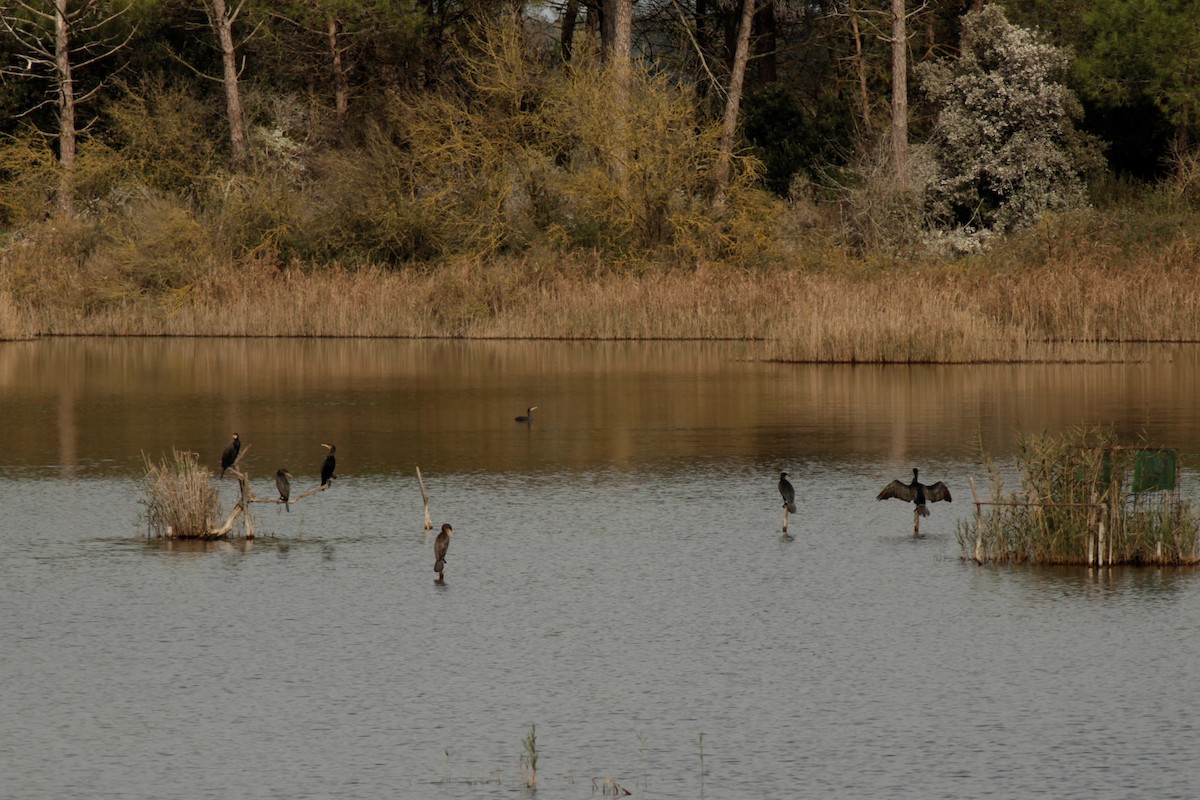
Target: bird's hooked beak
{"type": "Point", "coordinates": [327, 446]}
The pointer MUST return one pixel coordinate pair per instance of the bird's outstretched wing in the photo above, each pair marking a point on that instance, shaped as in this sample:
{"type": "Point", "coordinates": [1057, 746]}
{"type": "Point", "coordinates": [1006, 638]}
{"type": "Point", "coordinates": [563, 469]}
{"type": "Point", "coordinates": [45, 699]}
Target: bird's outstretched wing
{"type": "Point", "coordinates": [936, 492]}
{"type": "Point", "coordinates": [901, 491]}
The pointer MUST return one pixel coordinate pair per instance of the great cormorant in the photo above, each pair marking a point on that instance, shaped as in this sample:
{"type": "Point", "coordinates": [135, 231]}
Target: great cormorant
{"type": "Point", "coordinates": [440, 545]}
{"type": "Point", "coordinates": [329, 465]}
{"type": "Point", "coordinates": [916, 492]}
{"type": "Point", "coordinates": [788, 493]}
{"type": "Point", "coordinates": [527, 416]}
{"type": "Point", "coordinates": [284, 486]}
{"type": "Point", "coordinates": [230, 454]}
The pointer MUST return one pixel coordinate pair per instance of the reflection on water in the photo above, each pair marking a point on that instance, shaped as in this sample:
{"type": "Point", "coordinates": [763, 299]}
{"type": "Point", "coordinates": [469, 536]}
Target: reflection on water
{"type": "Point", "coordinates": [617, 578]}
{"type": "Point", "coordinates": [93, 405]}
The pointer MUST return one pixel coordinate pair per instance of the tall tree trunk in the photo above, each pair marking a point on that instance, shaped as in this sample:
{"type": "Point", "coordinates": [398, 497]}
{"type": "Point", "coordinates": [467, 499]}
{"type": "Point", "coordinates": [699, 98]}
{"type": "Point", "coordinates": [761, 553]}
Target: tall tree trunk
{"type": "Point", "coordinates": [619, 14]}
{"type": "Point", "coordinates": [860, 66]}
{"type": "Point", "coordinates": [899, 93]}
{"type": "Point", "coordinates": [566, 38]}
{"type": "Point", "coordinates": [66, 109]}
{"type": "Point", "coordinates": [222, 20]}
{"type": "Point", "coordinates": [341, 84]}
{"type": "Point", "coordinates": [765, 62]}
{"type": "Point", "coordinates": [737, 76]}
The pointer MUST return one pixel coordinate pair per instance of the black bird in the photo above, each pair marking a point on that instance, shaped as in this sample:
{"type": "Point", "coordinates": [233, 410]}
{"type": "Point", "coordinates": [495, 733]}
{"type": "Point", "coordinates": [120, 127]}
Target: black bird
{"type": "Point", "coordinates": [329, 466]}
{"type": "Point", "coordinates": [440, 545]}
{"type": "Point", "coordinates": [527, 416]}
{"type": "Point", "coordinates": [230, 454]}
{"type": "Point", "coordinates": [284, 486]}
{"type": "Point", "coordinates": [789, 494]}
{"type": "Point", "coordinates": [916, 492]}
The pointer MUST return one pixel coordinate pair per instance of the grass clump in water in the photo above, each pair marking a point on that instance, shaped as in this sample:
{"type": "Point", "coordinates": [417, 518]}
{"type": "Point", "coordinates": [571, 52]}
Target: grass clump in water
{"type": "Point", "coordinates": [181, 500]}
{"type": "Point", "coordinates": [1085, 499]}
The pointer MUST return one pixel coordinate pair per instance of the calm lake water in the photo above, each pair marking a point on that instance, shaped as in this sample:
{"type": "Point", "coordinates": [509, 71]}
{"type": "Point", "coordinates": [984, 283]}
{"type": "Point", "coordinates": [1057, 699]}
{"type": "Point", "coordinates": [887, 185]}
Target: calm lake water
{"type": "Point", "coordinates": [616, 579]}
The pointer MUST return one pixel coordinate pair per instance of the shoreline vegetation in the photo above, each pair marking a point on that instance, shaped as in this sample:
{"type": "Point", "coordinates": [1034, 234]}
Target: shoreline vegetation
{"type": "Point", "coordinates": [1074, 289]}
{"type": "Point", "coordinates": [1085, 498]}
{"type": "Point", "coordinates": [546, 182]}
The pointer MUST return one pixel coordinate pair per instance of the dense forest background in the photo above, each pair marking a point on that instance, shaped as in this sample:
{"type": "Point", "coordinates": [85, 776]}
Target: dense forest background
{"type": "Point", "coordinates": [143, 141]}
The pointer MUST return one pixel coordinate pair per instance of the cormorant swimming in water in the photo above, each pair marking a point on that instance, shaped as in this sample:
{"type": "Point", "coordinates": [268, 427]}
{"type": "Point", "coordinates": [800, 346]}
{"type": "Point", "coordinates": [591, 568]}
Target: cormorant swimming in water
{"type": "Point", "coordinates": [230, 454]}
{"type": "Point", "coordinates": [916, 492]}
{"type": "Point", "coordinates": [527, 416]}
{"type": "Point", "coordinates": [440, 545]}
{"type": "Point", "coordinates": [329, 466]}
{"type": "Point", "coordinates": [789, 494]}
{"type": "Point", "coordinates": [284, 486]}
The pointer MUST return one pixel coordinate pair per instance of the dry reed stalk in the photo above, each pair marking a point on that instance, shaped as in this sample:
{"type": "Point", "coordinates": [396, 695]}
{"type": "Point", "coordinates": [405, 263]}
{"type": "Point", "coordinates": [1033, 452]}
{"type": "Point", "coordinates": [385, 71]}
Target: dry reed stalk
{"type": "Point", "coordinates": [1076, 506]}
{"type": "Point", "coordinates": [13, 323]}
{"type": "Point", "coordinates": [1061, 310]}
{"type": "Point", "coordinates": [181, 500]}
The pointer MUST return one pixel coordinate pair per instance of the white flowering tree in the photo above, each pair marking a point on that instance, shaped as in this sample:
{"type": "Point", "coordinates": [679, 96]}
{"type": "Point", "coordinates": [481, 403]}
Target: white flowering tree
{"type": "Point", "coordinates": [1005, 143]}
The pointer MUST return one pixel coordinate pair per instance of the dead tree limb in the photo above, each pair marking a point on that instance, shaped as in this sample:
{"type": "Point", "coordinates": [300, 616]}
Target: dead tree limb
{"type": "Point", "coordinates": [425, 500]}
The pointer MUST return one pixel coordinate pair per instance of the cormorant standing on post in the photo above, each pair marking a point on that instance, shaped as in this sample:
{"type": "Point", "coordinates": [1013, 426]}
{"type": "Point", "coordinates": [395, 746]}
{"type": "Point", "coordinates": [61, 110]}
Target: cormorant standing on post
{"type": "Point", "coordinates": [440, 545]}
{"type": "Point", "coordinates": [230, 454]}
{"type": "Point", "coordinates": [284, 486]}
{"type": "Point", "coordinates": [329, 466]}
{"type": "Point", "coordinates": [527, 416]}
{"type": "Point", "coordinates": [789, 494]}
{"type": "Point", "coordinates": [916, 492]}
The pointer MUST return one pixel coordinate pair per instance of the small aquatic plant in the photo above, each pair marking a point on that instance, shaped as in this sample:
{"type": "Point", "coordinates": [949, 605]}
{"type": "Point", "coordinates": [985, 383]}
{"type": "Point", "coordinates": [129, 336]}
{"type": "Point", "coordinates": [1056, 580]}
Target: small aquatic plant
{"type": "Point", "coordinates": [529, 761]}
{"type": "Point", "coordinates": [181, 500]}
{"type": "Point", "coordinates": [1085, 499]}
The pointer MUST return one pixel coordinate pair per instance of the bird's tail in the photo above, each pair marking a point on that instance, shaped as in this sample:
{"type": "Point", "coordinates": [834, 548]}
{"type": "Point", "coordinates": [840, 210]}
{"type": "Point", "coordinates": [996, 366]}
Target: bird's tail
{"type": "Point", "coordinates": [287, 506]}
{"type": "Point", "coordinates": [923, 511]}
{"type": "Point", "coordinates": [440, 566]}
{"type": "Point", "coordinates": [791, 507]}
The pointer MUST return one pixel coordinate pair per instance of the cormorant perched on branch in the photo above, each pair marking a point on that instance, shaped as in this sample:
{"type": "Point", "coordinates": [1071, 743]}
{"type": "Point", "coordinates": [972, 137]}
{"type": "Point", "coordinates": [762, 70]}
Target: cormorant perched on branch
{"type": "Point", "coordinates": [527, 416]}
{"type": "Point", "coordinates": [789, 494]}
{"type": "Point", "coordinates": [440, 545]}
{"type": "Point", "coordinates": [230, 454]}
{"type": "Point", "coordinates": [916, 492]}
{"type": "Point", "coordinates": [284, 486]}
{"type": "Point", "coordinates": [329, 466]}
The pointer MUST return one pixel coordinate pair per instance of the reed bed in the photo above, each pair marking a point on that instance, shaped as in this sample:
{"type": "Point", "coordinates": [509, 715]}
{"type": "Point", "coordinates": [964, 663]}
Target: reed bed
{"type": "Point", "coordinates": [181, 500]}
{"type": "Point", "coordinates": [1076, 505]}
{"type": "Point", "coordinates": [1077, 307]}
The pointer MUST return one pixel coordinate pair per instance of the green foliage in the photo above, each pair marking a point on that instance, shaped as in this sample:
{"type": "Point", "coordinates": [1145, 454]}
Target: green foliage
{"type": "Point", "coordinates": [520, 153]}
{"type": "Point", "coordinates": [163, 132]}
{"type": "Point", "coordinates": [28, 175]}
{"type": "Point", "coordinates": [1139, 50]}
{"type": "Point", "coordinates": [790, 136]}
{"type": "Point", "coordinates": [1006, 144]}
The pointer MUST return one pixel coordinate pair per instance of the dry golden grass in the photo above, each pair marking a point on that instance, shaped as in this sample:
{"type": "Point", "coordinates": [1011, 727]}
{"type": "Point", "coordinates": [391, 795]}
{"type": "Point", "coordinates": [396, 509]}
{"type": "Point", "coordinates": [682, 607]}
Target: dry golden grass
{"type": "Point", "coordinates": [13, 324]}
{"type": "Point", "coordinates": [181, 500]}
{"type": "Point", "coordinates": [1074, 306]}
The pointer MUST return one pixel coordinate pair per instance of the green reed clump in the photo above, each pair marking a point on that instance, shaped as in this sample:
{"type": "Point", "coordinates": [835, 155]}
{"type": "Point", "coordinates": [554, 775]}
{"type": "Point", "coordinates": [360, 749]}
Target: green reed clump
{"type": "Point", "coordinates": [181, 500]}
{"type": "Point", "coordinates": [1076, 505]}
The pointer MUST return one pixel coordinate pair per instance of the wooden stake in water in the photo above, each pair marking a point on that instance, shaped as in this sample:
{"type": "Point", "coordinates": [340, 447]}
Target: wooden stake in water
{"type": "Point", "coordinates": [917, 521]}
{"type": "Point", "coordinates": [425, 500]}
{"type": "Point", "coordinates": [785, 520]}
{"type": "Point", "coordinates": [978, 522]}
